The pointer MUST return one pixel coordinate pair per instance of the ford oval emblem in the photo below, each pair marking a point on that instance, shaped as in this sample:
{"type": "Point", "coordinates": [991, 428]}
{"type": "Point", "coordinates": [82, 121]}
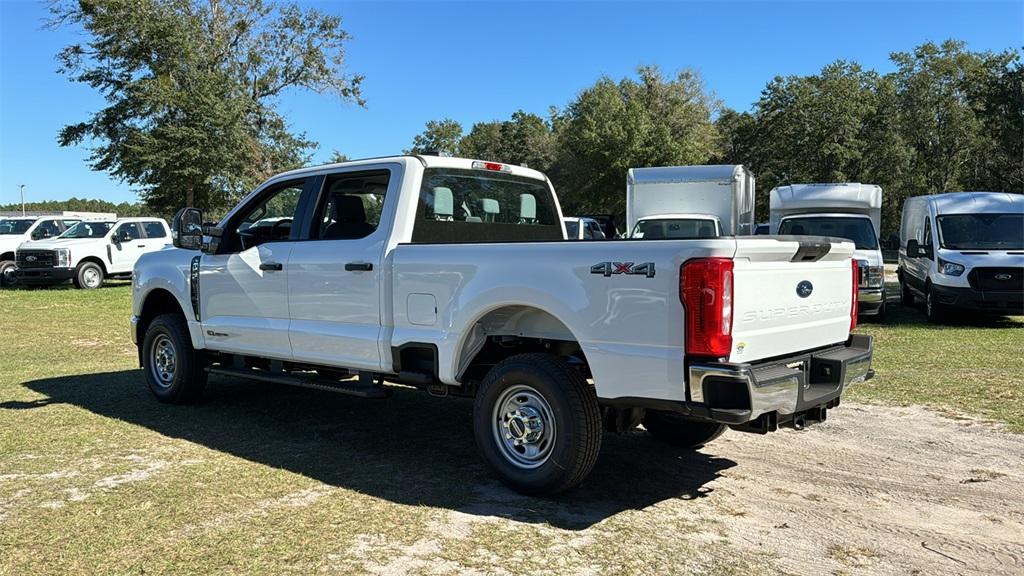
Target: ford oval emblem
{"type": "Point", "coordinates": [804, 289]}
{"type": "Point", "coordinates": [30, 258]}
{"type": "Point", "coordinates": [1004, 276]}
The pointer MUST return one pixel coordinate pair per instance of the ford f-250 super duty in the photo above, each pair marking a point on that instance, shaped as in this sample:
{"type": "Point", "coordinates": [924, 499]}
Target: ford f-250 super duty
{"type": "Point", "coordinates": [454, 276]}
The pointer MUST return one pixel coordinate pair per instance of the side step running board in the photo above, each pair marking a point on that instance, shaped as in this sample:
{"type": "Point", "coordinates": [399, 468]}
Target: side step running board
{"type": "Point", "coordinates": [352, 388]}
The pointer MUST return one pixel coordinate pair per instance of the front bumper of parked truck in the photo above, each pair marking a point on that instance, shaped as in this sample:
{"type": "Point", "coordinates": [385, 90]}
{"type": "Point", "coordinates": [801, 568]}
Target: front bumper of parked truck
{"type": "Point", "coordinates": [43, 276]}
{"type": "Point", "coordinates": [791, 391]}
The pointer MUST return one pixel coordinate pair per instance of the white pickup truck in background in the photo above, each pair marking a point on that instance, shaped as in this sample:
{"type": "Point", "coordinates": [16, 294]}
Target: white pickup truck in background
{"type": "Point", "coordinates": [454, 276]}
{"type": "Point", "coordinates": [686, 202]}
{"type": "Point", "coordinates": [90, 251]}
{"type": "Point", "coordinates": [16, 230]}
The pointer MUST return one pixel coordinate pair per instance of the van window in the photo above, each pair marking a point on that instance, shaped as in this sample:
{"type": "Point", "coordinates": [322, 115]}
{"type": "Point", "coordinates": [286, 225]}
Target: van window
{"type": "Point", "coordinates": [927, 236]}
{"type": "Point", "coordinates": [459, 205]}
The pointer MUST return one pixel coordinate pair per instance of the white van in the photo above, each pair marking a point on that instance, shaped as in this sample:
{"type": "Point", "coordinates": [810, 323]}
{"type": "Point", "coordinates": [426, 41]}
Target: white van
{"type": "Point", "coordinates": [90, 251]}
{"type": "Point", "coordinates": [963, 250]}
{"type": "Point", "coordinates": [14, 230]}
{"type": "Point", "coordinates": [689, 202]}
{"type": "Point", "coordinates": [841, 210]}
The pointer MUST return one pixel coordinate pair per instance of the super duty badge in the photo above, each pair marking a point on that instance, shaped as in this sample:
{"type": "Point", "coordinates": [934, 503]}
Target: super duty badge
{"type": "Point", "coordinates": [606, 269]}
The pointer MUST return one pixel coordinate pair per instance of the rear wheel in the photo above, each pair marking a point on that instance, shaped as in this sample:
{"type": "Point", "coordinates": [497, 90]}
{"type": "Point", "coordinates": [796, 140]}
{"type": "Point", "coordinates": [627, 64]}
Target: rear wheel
{"type": "Point", "coordinates": [537, 423]}
{"type": "Point", "coordinates": [678, 431]}
{"type": "Point", "coordinates": [174, 369]}
{"type": "Point", "coordinates": [89, 276]}
{"type": "Point", "coordinates": [7, 277]}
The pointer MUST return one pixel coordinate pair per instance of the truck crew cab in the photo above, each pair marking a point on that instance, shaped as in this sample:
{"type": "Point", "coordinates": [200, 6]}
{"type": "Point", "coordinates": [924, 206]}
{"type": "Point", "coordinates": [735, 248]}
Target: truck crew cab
{"type": "Point", "coordinates": [15, 230]}
{"type": "Point", "coordinates": [454, 276]}
{"type": "Point", "coordinates": [90, 251]}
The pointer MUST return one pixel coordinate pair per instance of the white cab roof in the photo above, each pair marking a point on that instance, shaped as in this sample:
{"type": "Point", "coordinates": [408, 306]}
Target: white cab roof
{"type": "Point", "coordinates": [670, 174]}
{"type": "Point", "coordinates": [973, 202]}
{"type": "Point", "coordinates": [849, 195]}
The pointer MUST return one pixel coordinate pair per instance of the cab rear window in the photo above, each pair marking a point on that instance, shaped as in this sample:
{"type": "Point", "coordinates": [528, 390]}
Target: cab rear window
{"type": "Point", "coordinates": [484, 206]}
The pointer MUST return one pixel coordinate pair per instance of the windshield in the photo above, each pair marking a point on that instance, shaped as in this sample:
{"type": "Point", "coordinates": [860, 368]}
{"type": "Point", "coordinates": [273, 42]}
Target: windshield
{"type": "Point", "coordinates": [981, 231]}
{"type": "Point", "coordinates": [572, 229]}
{"type": "Point", "coordinates": [677, 228]}
{"type": "Point", "coordinates": [859, 230]}
{"type": "Point", "coordinates": [15, 226]}
{"type": "Point", "coordinates": [88, 230]}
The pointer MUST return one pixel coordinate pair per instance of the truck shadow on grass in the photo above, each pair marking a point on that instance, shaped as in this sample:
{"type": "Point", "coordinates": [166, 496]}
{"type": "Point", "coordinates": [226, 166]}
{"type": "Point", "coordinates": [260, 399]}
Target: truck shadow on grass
{"type": "Point", "coordinates": [410, 449]}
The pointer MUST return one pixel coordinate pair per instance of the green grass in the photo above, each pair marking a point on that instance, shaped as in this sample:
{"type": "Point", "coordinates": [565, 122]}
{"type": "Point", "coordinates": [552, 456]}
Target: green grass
{"type": "Point", "coordinates": [97, 477]}
{"type": "Point", "coordinates": [973, 364]}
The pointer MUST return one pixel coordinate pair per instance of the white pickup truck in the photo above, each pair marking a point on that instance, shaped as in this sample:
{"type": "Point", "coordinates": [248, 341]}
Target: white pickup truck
{"type": "Point", "coordinates": [453, 276]}
{"type": "Point", "coordinates": [90, 251]}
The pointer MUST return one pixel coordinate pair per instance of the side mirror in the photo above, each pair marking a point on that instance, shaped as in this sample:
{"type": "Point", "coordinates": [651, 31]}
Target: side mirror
{"type": "Point", "coordinates": [187, 229]}
{"type": "Point", "coordinates": [115, 239]}
{"type": "Point", "coordinates": [913, 249]}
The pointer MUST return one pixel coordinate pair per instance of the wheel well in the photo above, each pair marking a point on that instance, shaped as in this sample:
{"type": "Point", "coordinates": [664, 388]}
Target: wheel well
{"type": "Point", "coordinates": [157, 302]}
{"type": "Point", "coordinates": [7, 256]}
{"type": "Point", "coordinates": [96, 260]}
{"type": "Point", "coordinates": [512, 330]}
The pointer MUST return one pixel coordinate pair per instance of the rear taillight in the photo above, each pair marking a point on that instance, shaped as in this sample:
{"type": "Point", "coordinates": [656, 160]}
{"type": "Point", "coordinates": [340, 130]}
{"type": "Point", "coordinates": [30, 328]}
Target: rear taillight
{"type": "Point", "coordinates": [494, 166]}
{"type": "Point", "coordinates": [853, 294]}
{"type": "Point", "coordinates": [705, 289]}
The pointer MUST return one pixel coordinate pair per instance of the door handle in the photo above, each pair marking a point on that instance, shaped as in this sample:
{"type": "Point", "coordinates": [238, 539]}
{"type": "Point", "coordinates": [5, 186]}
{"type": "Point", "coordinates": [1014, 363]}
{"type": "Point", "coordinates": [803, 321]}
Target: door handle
{"type": "Point", "coordinates": [140, 245]}
{"type": "Point", "coordinates": [271, 266]}
{"type": "Point", "coordinates": [358, 267]}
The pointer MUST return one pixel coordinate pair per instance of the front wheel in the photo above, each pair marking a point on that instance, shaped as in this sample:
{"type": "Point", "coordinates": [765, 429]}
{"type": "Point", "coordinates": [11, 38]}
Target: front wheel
{"type": "Point", "coordinates": [89, 276]}
{"type": "Point", "coordinates": [680, 432]}
{"type": "Point", "coordinates": [7, 276]}
{"type": "Point", "coordinates": [935, 311]}
{"type": "Point", "coordinates": [537, 423]}
{"type": "Point", "coordinates": [174, 369]}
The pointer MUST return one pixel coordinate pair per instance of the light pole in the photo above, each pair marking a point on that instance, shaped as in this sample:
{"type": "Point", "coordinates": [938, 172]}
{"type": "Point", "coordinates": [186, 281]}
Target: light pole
{"type": "Point", "coordinates": [21, 187]}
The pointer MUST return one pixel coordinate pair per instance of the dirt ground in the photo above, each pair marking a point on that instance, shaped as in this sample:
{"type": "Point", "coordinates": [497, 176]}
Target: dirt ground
{"type": "Point", "coordinates": [875, 490]}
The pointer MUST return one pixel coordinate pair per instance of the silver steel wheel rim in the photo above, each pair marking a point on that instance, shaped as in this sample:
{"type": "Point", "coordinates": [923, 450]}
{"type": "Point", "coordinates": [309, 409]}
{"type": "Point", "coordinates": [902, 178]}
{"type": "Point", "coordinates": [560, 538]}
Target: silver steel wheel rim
{"type": "Point", "coordinates": [524, 427]}
{"type": "Point", "coordinates": [163, 361]}
{"type": "Point", "coordinates": [91, 277]}
{"type": "Point", "coordinates": [8, 273]}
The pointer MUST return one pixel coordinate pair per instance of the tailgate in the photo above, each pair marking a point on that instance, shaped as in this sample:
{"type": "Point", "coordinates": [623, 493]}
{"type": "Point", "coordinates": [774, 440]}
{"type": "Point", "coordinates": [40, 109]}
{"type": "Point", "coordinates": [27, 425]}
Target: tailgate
{"type": "Point", "coordinates": [790, 294]}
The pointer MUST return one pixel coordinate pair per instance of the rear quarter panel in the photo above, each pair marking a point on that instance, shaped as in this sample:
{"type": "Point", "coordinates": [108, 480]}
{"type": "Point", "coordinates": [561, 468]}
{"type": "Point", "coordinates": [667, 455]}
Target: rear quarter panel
{"type": "Point", "coordinates": [630, 327]}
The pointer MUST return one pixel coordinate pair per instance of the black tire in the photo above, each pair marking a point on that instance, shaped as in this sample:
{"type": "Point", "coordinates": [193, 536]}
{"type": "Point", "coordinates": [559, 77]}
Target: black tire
{"type": "Point", "coordinates": [680, 432]}
{"type": "Point", "coordinates": [89, 276]}
{"type": "Point", "coordinates": [7, 277]}
{"type": "Point", "coordinates": [571, 415]}
{"type": "Point", "coordinates": [936, 313]}
{"type": "Point", "coordinates": [906, 296]}
{"type": "Point", "coordinates": [184, 383]}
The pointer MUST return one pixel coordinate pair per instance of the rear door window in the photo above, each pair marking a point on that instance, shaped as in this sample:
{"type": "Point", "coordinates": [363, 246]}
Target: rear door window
{"type": "Point", "coordinates": [154, 229]}
{"type": "Point", "coordinates": [465, 206]}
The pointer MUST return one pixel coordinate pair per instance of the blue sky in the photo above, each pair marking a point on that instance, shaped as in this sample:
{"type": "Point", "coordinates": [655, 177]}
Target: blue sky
{"type": "Point", "coordinates": [482, 61]}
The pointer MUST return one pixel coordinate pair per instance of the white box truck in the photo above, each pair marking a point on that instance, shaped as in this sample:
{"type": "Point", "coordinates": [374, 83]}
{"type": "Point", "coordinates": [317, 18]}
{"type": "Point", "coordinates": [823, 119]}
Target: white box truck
{"type": "Point", "coordinates": [840, 210]}
{"type": "Point", "coordinates": [963, 250]}
{"type": "Point", "coordinates": [689, 202]}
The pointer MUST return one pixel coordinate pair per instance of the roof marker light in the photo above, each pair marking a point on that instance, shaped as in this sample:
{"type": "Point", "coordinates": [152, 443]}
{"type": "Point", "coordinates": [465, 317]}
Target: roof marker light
{"type": "Point", "coordinates": [478, 165]}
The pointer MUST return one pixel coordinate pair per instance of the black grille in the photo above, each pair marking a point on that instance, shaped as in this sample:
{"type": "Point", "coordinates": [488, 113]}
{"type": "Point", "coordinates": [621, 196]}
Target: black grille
{"type": "Point", "coordinates": [36, 259]}
{"type": "Point", "coordinates": [997, 279]}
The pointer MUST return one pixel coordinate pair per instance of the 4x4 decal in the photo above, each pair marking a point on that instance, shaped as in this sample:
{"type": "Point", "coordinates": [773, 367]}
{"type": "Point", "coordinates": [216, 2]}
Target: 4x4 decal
{"type": "Point", "coordinates": [606, 269]}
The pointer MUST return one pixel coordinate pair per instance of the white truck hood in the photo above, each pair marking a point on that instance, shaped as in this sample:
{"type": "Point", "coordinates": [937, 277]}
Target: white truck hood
{"type": "Point", "coordinates": [54, 243]}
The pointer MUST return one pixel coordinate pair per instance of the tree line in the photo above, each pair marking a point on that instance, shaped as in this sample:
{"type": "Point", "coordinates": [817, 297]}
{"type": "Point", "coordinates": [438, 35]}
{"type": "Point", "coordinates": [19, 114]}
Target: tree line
{"type": "Point", "coordinates": [946, 119]}
{"type": "Point", "coordinates": [122, 209]}
{"type": "Point", "coordinates": [191, 91]}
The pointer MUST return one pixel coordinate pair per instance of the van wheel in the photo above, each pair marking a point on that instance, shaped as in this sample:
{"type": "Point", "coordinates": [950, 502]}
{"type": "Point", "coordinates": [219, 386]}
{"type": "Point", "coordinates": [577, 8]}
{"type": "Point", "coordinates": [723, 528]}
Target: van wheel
{"type": "Point", "coordinates": [89, 276]}
{"type": "Point", "coordinates": [175, 371]}
{"type": "Point", "coordinates": [935, 312]}
{"type": "Point", "coordinates": [537, 423]}
{"type": "Point", "coordinates": [680, 432]}
{"type": "Point", "coordinates": [7, 277]}
{"type": "Point", "coordinates": [906, 296]}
